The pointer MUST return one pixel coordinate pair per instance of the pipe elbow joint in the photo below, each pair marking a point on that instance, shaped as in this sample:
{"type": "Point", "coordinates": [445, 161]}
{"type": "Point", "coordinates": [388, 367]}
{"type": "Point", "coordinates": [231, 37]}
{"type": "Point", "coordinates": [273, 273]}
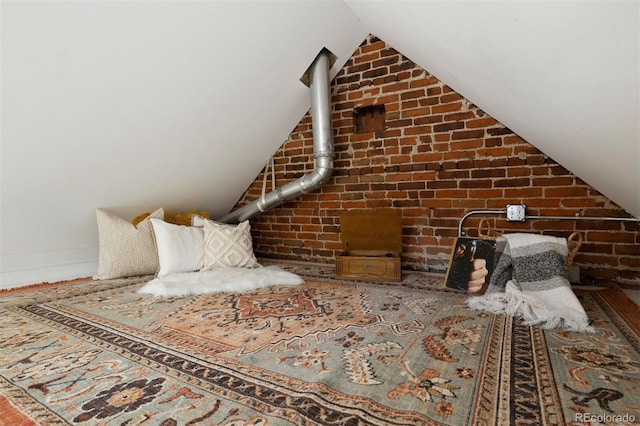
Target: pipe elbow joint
{"type": "Point", "coordinates": [317, 178]}
{"type": "Point", "coordinates": [323, 175]}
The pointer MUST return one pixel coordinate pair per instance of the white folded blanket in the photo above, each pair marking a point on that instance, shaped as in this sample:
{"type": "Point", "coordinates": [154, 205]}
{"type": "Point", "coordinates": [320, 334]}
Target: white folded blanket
{"type": "Point", "coordinates": [528, 281]}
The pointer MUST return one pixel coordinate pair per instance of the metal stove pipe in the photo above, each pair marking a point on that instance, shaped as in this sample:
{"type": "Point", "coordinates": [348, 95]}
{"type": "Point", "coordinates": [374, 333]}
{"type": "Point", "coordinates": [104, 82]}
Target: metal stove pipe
{"type": "Point", "coordinates": [317, 78]}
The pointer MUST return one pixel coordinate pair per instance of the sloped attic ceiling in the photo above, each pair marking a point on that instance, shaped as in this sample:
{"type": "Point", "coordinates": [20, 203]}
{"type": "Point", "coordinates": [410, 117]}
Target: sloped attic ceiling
{"type": "Point", "coordinates": [135, 105]}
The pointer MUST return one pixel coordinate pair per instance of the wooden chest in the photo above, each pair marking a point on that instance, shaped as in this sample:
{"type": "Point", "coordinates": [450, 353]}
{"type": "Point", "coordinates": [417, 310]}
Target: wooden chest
{"type": "Point", "coordinates": [371, 242]}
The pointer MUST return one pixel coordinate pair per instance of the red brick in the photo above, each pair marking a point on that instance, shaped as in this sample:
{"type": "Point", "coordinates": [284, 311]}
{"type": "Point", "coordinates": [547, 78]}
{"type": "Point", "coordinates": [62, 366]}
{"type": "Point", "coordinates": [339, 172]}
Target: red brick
{"type": "Point", "coordinates": [459, 116]}
{"type": "Point", "coordinates": [423, 82]}
{"type": "Point", "coordinates": [483, 173]}
{"type": "Point", "coordinates": [491, 142]}
{"type": "Point", "coordinates": [450, 97]}
{"type": "Point", "coordinates": [417, 130]}
{"type": "Point", "coordinates": [630, 249]}
{"type": "Point", "coordinates": [446, 108]}
{"type": "Point", "coordinates": [431, 119]}
{"type": "Point", "coordinates": [469, 144]}
{"type": "Point", "coordinates": [480, 122]}
{"type": "Point", "coordinates": [619, 237]}
{"type": "Point", "coordinates": [438, 184]}
{"type": "Point", "coordinates": [446, 127]}
{"type": "Point", "coordinates": [476, 183]}
{"type": "Point", "coordinates": [396, 87]}
{"type": "Point", "coordinates": [415, 112]}
{"type": "Point", "coordinates": [494, 152]}
{"type": "Point", "coordinates": [458, 156]}
{"type": "Point", "coordinates": [427, 157]}
{"type": "Point", "coordinates": [369, 55]}
{"type": "Point", "coordinates": [522, 193]}
{"type": "Point", "coordinates": [442, 137]}
{"type": "Point", "coordinates": [412, 94]}
{"type": "Point", "coordinates": [452, 193]}
{"type": "Point", "coordinates": [565, 192]}
{"type": "Point", "coordinates": [630, 262]}
{"type": "Point", "coordinates": [516, 182]}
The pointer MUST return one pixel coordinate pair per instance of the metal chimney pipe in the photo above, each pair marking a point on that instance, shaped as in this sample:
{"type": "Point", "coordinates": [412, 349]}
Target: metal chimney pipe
{"type": "Point", "coordinates": [317, 78]}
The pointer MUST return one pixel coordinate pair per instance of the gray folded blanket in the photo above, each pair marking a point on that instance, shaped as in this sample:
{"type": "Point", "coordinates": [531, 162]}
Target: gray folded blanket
{"type": "Point", "coordinates": [528, 281]}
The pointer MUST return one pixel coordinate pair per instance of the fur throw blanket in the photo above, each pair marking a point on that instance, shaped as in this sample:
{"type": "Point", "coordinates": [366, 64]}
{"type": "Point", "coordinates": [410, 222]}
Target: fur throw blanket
{"type": "Point", "coordinates": [528, 281]}
{"type": "Point", "coordinates": [220, 280]}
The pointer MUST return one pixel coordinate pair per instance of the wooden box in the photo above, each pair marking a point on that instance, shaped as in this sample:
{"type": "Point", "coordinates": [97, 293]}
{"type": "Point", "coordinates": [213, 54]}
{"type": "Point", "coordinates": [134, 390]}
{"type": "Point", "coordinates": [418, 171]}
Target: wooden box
{"type": "Point", "coordinates": [371, 242]}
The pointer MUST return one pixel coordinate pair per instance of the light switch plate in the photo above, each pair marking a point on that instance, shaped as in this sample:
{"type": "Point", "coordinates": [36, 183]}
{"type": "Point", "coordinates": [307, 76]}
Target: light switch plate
{"type": "Point", "coordinates": [516, 212]}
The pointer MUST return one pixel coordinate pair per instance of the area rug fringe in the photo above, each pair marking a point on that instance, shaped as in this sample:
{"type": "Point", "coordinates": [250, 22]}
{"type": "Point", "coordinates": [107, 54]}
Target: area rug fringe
{"type": "Point", "coordinates": [43, 284]}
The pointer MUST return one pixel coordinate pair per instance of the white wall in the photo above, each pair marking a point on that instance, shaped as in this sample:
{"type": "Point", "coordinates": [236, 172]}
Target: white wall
{"type": "Point", "coordinates": [135, 105]}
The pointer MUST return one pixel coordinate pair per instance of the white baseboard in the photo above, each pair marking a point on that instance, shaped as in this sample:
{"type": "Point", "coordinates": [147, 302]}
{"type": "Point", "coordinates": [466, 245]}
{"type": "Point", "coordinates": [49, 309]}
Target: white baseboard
{"type": "Point", "coordinates": [22, 269]}
{"type": "Point", "coordinates": [49, 274]}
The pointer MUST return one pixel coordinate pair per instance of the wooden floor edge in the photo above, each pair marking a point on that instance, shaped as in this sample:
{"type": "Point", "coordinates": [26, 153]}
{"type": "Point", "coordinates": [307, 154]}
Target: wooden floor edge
{"type": "Point", "coordinates": [5, 291]}
{"type": "Point", "coordinates": [620, 302]}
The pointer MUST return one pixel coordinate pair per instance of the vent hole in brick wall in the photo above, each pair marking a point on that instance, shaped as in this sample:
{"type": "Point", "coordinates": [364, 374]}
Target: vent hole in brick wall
{"type": "Point", "coordinates": [369, 119]}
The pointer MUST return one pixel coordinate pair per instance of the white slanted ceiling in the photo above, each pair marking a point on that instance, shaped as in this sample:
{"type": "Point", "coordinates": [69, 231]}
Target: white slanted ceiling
{"type": "Point", "coordinates": [134, 105]}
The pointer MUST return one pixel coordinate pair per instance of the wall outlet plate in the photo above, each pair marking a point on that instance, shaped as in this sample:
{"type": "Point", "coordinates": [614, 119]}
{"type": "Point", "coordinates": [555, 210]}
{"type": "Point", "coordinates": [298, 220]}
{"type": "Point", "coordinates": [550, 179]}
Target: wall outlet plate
{"type": "Point", "coordinates": [516, 212]}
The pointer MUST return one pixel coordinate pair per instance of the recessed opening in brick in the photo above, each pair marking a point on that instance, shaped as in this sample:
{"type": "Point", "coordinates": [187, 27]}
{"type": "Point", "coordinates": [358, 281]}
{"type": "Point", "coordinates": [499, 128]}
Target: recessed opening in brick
{"type": "Point", "coordinates": [369, 119]}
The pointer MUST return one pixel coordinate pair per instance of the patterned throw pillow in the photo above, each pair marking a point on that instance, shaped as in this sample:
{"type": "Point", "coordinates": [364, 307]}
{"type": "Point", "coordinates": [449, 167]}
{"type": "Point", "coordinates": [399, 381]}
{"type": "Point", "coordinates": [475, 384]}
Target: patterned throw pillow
{"type": "Point", "coordinates": [126, 250]}
{"type": "Point", "coordinates": [227, 245]}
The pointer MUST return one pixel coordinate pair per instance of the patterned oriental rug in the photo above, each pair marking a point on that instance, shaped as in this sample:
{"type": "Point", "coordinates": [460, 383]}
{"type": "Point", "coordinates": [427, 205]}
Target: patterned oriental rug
{"type": "Point", "coordinates": [328, 352]}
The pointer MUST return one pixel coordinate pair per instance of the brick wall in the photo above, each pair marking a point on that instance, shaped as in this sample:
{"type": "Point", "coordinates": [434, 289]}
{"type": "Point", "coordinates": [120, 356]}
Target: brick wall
{"type": "Point", "coordinates": [438, 158]}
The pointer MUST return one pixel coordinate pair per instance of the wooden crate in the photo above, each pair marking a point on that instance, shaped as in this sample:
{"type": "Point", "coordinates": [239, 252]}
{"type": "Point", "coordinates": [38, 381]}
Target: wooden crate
{"type": "Point", "coordinates": [371, 242]}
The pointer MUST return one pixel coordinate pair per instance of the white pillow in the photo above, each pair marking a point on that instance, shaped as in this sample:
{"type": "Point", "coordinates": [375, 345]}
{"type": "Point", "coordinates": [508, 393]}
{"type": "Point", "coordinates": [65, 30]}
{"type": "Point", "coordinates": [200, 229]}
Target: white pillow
{"type": "Point", "coordinates": [226, 245]}
{"type": "Point", "coordinates": [180, 248]}
{"type": "Point", "coordinates": [126, 250]}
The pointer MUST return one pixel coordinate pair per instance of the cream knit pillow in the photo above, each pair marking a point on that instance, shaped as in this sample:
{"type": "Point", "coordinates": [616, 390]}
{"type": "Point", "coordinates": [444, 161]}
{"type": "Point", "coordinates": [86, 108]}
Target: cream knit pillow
{"type": "Point", "coordinates": [126, 250]}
